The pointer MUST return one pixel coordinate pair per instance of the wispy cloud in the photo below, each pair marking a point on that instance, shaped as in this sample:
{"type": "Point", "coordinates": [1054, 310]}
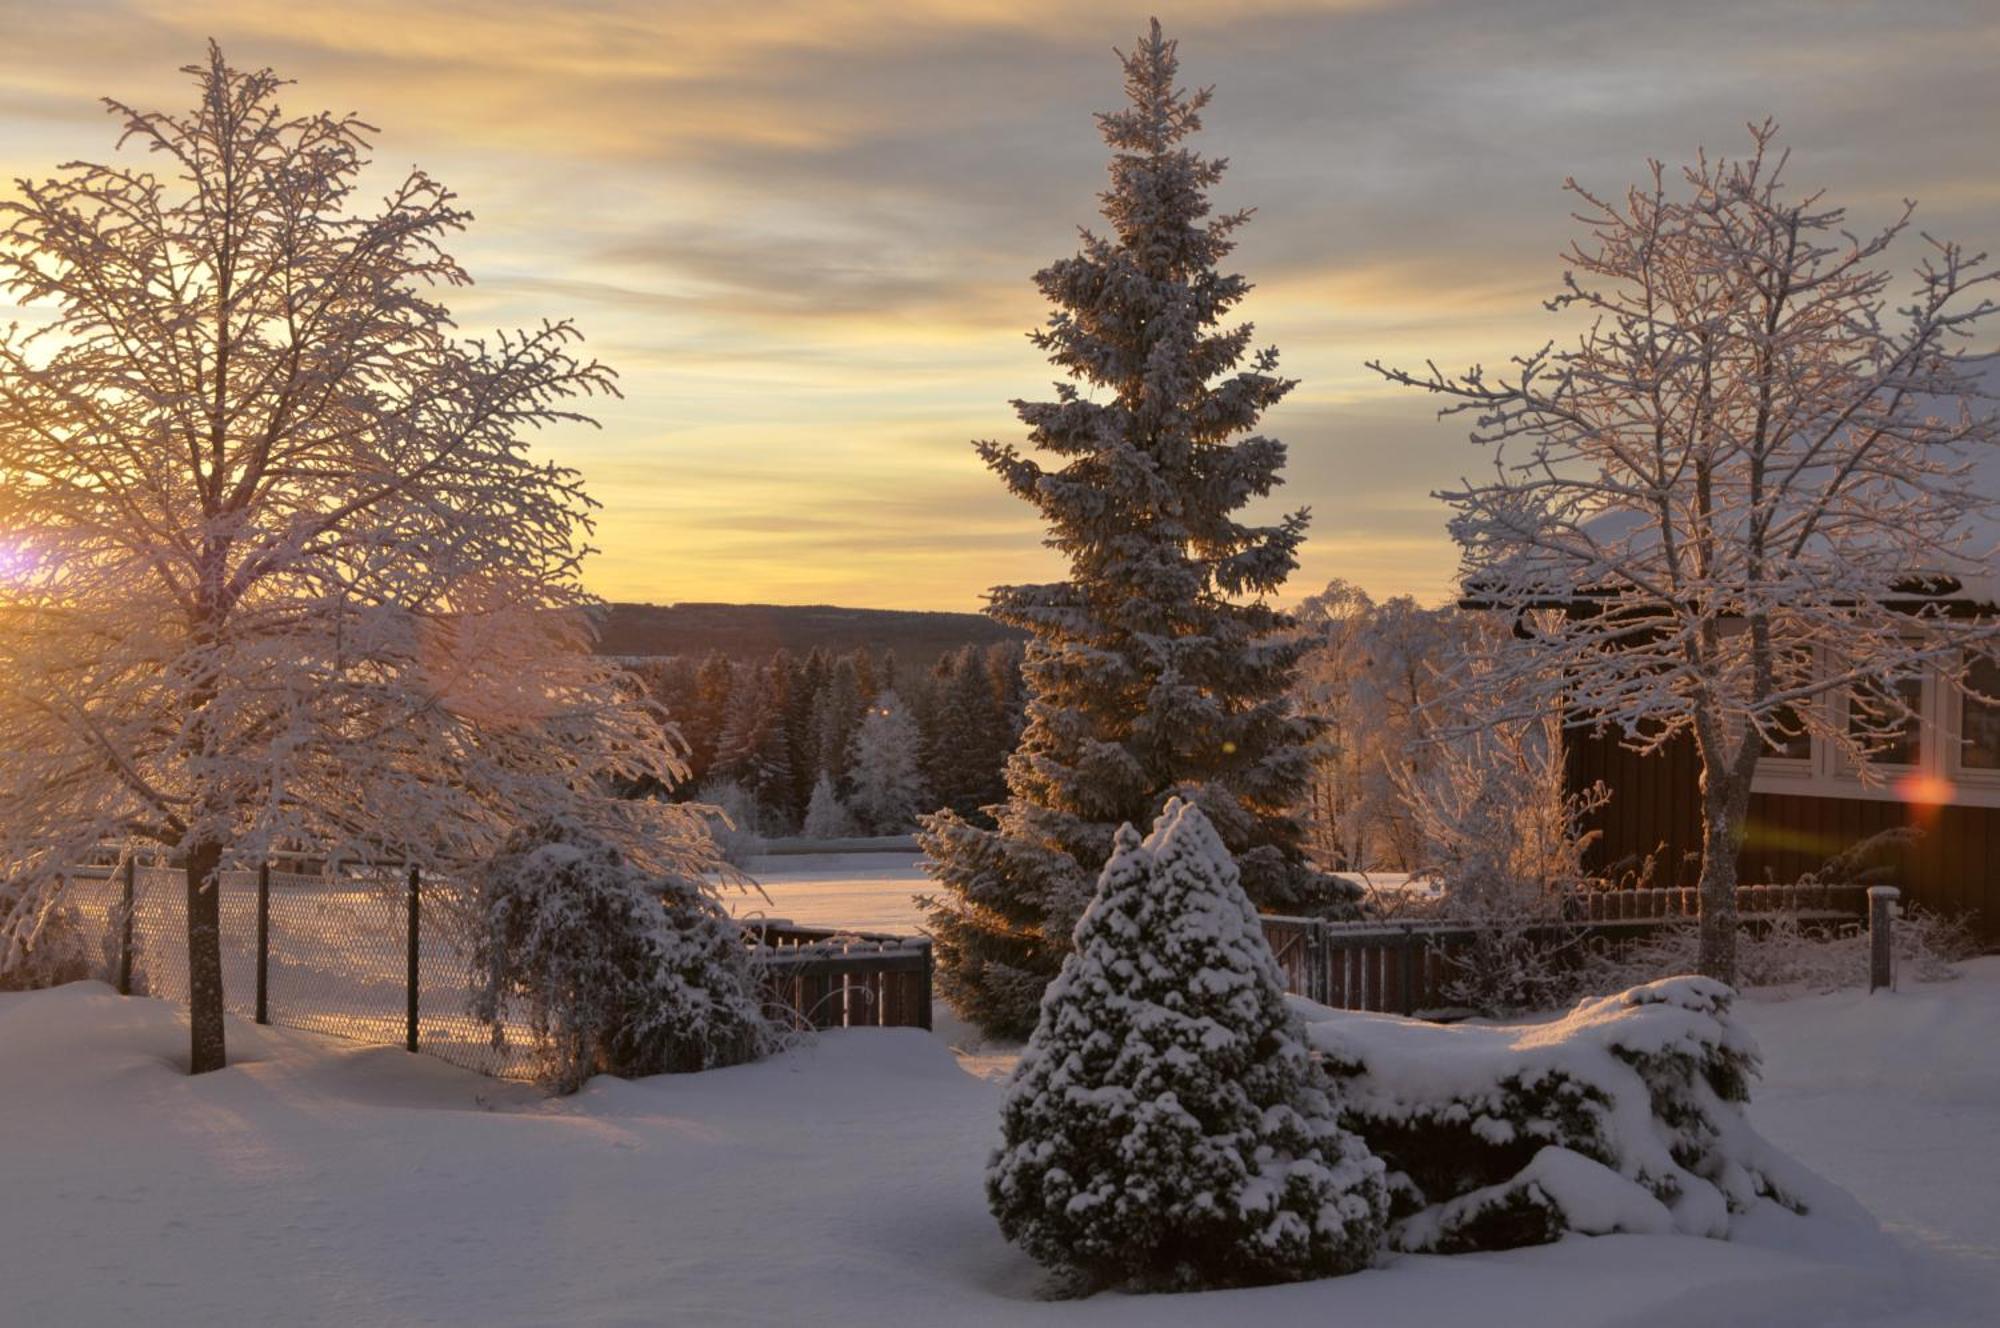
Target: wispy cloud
{"type": "Point", "coordinates": [803, 230]}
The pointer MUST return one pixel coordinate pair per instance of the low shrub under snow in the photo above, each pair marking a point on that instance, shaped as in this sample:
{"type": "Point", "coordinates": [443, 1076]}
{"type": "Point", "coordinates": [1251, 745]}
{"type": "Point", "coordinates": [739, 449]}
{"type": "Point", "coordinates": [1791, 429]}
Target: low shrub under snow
{"type": "Point", "coordinates": [617, 970]}
{"type": "Point", "coordinates": [1624, 1115]}
{"type": "Point", "coordinates": [1786, 950]}
{"type": "Point", "coordinates": [58, 953]}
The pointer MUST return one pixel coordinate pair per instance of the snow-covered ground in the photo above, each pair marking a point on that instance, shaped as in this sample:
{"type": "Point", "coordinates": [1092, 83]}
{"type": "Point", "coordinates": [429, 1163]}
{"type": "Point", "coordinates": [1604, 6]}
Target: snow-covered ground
{"type": "Point", "coordinates": [322, 1182]}
{"type": "Point", "coordinates": [877, 891]}
{"type": "Point", "coordinates": [861, 891]}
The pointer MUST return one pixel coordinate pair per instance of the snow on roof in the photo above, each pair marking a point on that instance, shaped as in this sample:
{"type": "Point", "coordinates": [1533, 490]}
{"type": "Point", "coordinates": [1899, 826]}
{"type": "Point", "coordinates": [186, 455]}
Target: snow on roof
{"type": "Point", "coordinates": [1971, 576]}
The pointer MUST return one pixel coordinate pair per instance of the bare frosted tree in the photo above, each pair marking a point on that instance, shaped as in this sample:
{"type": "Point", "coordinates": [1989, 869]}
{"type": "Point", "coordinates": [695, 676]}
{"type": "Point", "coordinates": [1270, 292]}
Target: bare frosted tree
{"type": "Point", "coordinates": [1374, 675]}
{"type": "Point", "coordinates": [1746, 486]}
{"type": "Point", "coordinates": [283, 569]}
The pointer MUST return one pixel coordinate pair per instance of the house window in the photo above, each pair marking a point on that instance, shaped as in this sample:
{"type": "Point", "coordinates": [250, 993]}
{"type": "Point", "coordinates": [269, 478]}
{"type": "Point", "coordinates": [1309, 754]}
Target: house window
{"type": "Point", "coordinates": [1872, 721]}
{"type": "Point", "coordinates": [1785, 738]}
{"type": "Point", "coordinates": [1979, 718]}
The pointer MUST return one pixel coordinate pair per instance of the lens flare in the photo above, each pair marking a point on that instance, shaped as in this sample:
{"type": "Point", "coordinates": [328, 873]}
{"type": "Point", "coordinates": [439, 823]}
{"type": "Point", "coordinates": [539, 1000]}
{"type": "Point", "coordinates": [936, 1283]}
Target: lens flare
{"type": "Point", "coordinates": [17, 562]}
{"type": "Point", "coordinates": [1925, 790]}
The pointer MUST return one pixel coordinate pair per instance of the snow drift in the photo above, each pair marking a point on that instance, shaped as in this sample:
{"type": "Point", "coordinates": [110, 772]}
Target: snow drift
{"type": "Point", "coordinates": [1626, 1115]}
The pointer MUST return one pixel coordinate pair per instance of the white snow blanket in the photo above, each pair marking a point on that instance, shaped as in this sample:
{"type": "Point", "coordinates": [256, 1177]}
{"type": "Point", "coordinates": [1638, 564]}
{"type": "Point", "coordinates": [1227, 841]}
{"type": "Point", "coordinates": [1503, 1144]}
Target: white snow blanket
{"type": "Point", "coordinates": [1627, 1114]}
{"type": "Point", "coordinates": [323, 1182]}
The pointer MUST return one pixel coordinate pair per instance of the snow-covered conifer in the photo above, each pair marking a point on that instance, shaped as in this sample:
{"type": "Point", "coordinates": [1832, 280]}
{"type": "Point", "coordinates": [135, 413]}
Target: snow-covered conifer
{"type": "Point", "coordinates": [1159, 665]}
{"type": "Point", "coordinates": [618, 971]}
{"type": "Point", "coordinates": [826, 816]}
{"type": "Point", "coordinates": [1166, 1127]}
{"type": "Point", "coordinates": [888, 778]}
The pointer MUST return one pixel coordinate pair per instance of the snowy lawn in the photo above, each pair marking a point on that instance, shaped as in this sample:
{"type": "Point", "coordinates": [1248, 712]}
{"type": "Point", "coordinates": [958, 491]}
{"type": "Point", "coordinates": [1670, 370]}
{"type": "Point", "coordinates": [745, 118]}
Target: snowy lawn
{"type": "Point", "coordinates": [861, 891]}
{"type": "Point", "coordinates": [321, 1182]}
{"type": "Point", "coordinates": [878, 891]}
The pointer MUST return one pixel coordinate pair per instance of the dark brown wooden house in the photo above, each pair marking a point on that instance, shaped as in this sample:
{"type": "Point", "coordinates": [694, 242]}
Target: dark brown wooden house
{"type": "Point", "coordinates": [1940, 781]}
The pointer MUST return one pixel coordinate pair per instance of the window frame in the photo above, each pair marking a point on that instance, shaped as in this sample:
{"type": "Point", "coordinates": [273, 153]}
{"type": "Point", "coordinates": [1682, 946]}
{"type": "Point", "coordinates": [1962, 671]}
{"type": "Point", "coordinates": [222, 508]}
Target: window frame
{"type": "Point", "coordinates": [1953, 742]}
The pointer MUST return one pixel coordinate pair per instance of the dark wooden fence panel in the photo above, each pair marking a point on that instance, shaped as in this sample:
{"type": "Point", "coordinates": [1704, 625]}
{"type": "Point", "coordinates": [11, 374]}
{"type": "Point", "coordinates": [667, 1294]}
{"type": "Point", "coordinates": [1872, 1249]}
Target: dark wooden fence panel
{"type": "Point", "coordinates": [1405, 968]}
{"type": "Point", "coordinates": [816, 977]}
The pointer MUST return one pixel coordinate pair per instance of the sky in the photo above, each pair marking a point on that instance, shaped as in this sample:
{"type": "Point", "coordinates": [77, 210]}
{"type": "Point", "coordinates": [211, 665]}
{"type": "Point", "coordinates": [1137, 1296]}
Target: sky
{"type": "Point", "coordinates": [804, 231]}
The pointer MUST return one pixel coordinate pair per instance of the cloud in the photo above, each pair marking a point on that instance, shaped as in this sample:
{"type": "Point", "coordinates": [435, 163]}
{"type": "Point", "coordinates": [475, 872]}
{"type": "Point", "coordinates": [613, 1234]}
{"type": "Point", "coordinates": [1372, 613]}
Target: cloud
{"type": "Point", "coordinates": [804, 230]}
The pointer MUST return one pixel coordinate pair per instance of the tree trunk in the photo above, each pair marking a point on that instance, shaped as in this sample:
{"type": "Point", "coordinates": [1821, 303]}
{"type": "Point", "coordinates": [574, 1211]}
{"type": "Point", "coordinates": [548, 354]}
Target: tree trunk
{"type": "Point", "coordinates": [1722, 816]}
{"type": "Point", "coordinates": [206, 1050]}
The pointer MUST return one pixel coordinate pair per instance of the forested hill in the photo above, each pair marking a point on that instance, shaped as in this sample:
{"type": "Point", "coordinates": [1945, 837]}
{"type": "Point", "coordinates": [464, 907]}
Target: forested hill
{"type": "Point", "coordinates": [754, 631]}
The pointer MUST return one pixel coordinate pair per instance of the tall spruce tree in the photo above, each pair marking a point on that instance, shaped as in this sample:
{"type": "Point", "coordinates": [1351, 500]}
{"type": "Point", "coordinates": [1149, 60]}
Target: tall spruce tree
{"type": "Point", "coordinates": [1157, 669]}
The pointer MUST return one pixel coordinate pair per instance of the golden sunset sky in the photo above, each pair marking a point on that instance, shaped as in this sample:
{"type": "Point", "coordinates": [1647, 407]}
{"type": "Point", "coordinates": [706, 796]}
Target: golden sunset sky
{"type": "Point", "coordinates": [803, 232]}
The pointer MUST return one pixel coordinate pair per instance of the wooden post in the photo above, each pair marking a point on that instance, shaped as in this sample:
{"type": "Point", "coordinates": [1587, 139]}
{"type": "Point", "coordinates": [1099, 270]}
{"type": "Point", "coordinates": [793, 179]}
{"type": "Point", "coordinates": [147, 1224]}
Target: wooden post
{"type": "Point", "coordinates": [263, 942]}
{"type": "Point", "coordinates": [1409, 967]}
{"type": "Point", "coordinates": [1882, 936]}
{"type": "Point", "coordinates": [410, 1026]}
{"type": "Point", "coordinates": [924, 994]}
{"type": "Point", "coordinates": [127, 905]}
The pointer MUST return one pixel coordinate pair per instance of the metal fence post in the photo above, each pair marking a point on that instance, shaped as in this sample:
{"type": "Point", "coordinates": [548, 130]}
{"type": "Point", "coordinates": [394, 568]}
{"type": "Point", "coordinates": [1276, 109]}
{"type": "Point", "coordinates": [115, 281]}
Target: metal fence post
{"type": "Point", "coordinates": [410, 1028]}
{"type": "Point", "coordinates": [127, 904]}
{"type": "Point", "coordinates": [263, 942]}
{"type": "Point", "coordinates": [1882, 936]}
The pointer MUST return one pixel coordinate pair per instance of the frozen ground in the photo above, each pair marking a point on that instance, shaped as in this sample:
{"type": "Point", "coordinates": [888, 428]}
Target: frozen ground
{"type": "Point", "coordinates": [317, 1182]}
{"type": "Point", "coordinates": [862, 891]}
{"type": "Point", "coordinates": [877, 891]}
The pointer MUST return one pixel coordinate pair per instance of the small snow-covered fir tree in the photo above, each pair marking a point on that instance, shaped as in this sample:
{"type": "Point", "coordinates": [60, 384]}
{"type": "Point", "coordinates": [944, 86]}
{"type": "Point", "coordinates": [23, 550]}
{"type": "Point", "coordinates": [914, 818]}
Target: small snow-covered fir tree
{"type": "Point", "coordinates": [887, 773]}
{"type": "Point", "coordinates": [826, 816]}
{"type": "Point", "coordinates": [1158, 667]}
{"type": "Point", "coordinates": [617, 970]}
{"type": "Point", "coordinates": [1166, 1128]}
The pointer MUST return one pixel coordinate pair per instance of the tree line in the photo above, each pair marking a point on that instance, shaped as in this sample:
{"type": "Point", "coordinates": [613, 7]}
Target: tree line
{"type": "Point", "coordinates": [830, 745]}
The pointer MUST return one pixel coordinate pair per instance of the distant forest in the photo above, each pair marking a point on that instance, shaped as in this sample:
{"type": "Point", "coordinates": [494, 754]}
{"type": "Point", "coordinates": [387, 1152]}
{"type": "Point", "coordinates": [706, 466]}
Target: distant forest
{"type": "Point", "coordinates": [752, 633]}
{"type": "Point", "coordinates": [859, 742]}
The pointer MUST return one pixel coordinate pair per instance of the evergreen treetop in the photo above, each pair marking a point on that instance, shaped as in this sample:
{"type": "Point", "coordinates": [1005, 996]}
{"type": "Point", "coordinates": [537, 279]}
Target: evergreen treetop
{"type": "Point", "coordinates": [1157, 667]}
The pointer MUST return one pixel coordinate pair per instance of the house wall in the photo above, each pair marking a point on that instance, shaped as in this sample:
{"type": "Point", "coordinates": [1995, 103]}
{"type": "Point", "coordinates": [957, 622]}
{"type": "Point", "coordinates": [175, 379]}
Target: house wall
{"type": "Point", "coordinates": [1953, 866]}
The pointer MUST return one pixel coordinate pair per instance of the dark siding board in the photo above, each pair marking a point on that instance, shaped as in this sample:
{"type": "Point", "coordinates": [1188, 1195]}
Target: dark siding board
{"type": "Point", "coordinates": [1953, 868]}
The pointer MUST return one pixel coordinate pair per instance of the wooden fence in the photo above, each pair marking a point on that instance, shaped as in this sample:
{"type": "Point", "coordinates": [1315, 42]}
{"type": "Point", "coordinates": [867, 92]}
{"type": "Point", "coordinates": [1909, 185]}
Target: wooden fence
{"type": "Point", "coordinates": [824, 978]}
{"type": "Point", "coordinates": [1404, 967]}
{"type": "Point", "coordinates": [1658, 904]}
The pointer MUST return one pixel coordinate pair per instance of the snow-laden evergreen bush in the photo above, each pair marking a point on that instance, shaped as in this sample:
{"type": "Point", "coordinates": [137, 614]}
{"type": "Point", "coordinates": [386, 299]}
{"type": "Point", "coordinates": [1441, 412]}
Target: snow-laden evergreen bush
{"type": "Point", "coordinates": [616, 970]}
{"type": "Point", "coordinates": [884, 763]}
{"type": "Point", "coordinates": [826, 816]}
{"type": "Point", "coordinates": [735, 821]}
{"type": "Point", "coordinates": [1167, 1127]}
{"type": "Point", "coordinates": [1625, 1115]}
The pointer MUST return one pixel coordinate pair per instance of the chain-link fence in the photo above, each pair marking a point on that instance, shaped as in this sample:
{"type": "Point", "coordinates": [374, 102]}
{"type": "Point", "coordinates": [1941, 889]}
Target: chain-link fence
{"type": "Point", "coordinates": [330, 953]}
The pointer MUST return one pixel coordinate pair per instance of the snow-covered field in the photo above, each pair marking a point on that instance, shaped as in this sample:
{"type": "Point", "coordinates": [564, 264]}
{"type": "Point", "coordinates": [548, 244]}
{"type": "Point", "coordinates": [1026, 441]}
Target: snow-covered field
{"type": "Point", "coordinates": [317, 1181]}
{"type": "Point", "coordinates": [877, 891]}
{"type": "Point", "coordinates": [862, 891]}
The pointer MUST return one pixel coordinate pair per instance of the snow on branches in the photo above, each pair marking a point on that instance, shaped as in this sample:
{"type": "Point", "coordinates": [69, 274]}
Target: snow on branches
{"type": "Point", "coordinates": [618, 970]}
{"type": "Point", "coordinates": [1625, 1115]}
{"type": "Point", "coordinates": [1746, 486]}
{"type": "Point", "coordinates": [292, 574]}
{"type": "Point", "coordinates": [1166, 1128]}
{"type": "Point", "coordinates": [1158, 667]}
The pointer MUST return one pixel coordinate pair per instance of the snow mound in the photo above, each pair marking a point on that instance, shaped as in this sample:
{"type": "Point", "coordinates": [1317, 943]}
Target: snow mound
{"type": "Point", "coordinates": [1626, 1115]}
